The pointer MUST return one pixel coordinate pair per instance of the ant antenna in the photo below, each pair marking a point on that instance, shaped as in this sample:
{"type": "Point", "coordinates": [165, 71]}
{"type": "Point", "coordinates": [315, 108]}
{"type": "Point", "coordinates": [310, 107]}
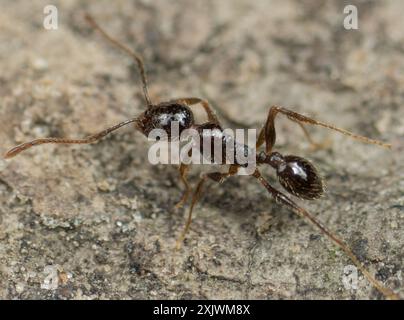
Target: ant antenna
{"type": "Point", "coordinates": [90, 139]}
{"type": "Point", "coordinates": [124, 48]}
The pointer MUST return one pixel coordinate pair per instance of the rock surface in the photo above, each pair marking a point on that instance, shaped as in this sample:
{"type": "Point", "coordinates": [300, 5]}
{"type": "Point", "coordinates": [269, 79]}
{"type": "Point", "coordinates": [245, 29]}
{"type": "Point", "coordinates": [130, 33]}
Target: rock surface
{"type": "Point", "coordinates": [96, 221]}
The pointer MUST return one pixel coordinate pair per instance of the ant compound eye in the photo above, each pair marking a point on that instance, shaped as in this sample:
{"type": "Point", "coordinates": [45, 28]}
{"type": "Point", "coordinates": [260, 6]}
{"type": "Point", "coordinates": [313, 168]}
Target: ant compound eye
{"type": "Point", "coordinates": [299, 177]}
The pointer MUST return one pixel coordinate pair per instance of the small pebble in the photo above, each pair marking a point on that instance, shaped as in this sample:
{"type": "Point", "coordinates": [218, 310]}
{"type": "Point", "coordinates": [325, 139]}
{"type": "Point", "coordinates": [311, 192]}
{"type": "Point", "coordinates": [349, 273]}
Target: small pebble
{"type": "Point", "coordinates": [40, 64]}
{"type": "Point", "coordinates": [19, 287]}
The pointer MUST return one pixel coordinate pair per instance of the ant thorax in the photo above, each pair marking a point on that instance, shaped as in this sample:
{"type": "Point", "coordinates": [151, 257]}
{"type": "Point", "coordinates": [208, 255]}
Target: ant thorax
{"type": "Point", "coordinates": [220, 147]}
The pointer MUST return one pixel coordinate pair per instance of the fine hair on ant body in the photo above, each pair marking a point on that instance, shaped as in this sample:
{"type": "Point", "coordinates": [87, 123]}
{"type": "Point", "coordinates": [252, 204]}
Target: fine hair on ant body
{"type": "Point", "coordinates": [297, 175]}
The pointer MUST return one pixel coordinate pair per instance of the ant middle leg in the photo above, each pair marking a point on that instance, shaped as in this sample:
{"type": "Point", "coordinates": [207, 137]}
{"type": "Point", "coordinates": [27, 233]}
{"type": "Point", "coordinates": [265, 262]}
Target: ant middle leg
{"type": "Point", "coordinates": [268, 134]}
{"type": "Point", "coordinates": [215, 176]}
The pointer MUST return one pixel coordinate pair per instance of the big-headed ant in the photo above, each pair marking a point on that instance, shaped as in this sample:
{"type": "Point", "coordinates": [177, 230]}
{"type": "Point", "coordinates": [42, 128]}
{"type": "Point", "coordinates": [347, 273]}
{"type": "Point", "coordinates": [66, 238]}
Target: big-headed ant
{"type": "Point", "coordinates": [296, 174]}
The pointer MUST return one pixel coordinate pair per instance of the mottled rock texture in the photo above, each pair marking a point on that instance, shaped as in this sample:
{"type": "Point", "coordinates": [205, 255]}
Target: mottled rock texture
{"type": "Point", "coordinates": [96, 221]}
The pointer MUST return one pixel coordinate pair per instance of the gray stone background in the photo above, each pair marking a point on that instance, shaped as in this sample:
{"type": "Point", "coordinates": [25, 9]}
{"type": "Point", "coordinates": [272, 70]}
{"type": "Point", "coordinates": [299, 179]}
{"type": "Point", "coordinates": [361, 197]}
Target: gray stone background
{"type": "Point", "coordinates": [96, 221]}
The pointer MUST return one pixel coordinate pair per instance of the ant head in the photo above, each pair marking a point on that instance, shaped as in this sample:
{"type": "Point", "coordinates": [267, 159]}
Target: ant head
{"type": "Point", "coordinates": [162, 116]}
{"type": "Point", "coordinates": [296, 174]}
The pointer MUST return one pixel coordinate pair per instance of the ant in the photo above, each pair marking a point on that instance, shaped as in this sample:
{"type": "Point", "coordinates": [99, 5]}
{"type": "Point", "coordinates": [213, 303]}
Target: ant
{"type": "Point", "coordinates": [296, 175]}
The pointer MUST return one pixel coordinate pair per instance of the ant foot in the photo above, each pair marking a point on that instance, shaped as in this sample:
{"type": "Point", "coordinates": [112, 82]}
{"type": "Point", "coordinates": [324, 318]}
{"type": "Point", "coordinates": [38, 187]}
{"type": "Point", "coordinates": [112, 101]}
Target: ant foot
{"type": "Point", "coordinates": [181, 202]}
{"type": "Point", "coordinates": [178, 243]}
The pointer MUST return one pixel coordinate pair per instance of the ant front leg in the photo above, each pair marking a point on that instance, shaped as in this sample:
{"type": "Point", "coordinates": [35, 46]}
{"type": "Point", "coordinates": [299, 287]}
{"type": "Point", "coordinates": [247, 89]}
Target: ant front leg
{"type": "Point", "coordinates": [268, 134]}
{"type": "Point", "coordinates": [206, 106]}
{"type": "Point", "coordinates": [183, 176]}
{"type": "Point", "coordinates": [215, 176]}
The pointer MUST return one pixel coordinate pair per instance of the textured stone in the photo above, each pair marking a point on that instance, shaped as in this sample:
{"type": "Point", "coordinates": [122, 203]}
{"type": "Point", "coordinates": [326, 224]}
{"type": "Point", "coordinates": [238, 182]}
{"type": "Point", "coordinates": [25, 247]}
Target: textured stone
{"type": "Point", "coordinates": [100, 217]}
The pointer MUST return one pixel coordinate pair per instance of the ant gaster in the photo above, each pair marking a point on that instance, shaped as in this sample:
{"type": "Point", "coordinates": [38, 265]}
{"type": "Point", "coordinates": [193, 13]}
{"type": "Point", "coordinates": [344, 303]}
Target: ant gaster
{"type": "Point", "coordinates": [296, 175]}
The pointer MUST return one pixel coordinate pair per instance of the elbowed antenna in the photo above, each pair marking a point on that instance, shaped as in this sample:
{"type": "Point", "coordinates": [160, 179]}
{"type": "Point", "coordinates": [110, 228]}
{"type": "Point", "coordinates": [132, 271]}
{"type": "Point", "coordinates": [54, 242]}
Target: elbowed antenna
{"type": "Point", "coordinates": [130, 52]}
{"type": "Point", "coordinates": [90, 139]}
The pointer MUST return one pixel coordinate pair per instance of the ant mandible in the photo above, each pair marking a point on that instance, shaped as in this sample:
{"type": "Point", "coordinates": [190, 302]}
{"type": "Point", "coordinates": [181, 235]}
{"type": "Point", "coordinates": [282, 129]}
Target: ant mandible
{"type": "Point", "coordinates": [296, 174]}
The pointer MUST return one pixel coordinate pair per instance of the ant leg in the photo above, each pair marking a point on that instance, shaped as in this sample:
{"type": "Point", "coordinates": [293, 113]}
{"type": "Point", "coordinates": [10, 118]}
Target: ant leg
{"type": "Point", "coordinates": [183, 176]}
{"type": "Point", "coordinates": [215, 176]}
{"type": "Point", "coordinates": [268, 135]}
{"type": "Point", "coordinates": [195, 199]}
{"type": "Point", "coordinates": [90, 139]}
{"type": "Point", "coordinates": [130, 52]}
{"type": "Point", "coordinates": [283, 199]}
{"type": "Point", "coordinates": [314, 145]}
{"type": "Point", "coordinates": [205, 104]}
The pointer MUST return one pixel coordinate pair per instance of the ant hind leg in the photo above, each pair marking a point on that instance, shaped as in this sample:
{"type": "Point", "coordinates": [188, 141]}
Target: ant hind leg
{"type": "Point", "coordinates": [314, 145]}
{"type": "Point", "coordinates": [268, 135]}
{"type": "Point", "coordinates": [284, 200]}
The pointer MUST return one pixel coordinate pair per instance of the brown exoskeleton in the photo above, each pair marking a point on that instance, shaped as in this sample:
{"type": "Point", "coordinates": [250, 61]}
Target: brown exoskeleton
{"type": "Point", "coordinates": [297, 175]}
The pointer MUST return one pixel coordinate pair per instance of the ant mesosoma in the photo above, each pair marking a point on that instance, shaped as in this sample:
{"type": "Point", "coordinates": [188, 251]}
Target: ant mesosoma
{"type": "Point", "coordinates": [296, 174]}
